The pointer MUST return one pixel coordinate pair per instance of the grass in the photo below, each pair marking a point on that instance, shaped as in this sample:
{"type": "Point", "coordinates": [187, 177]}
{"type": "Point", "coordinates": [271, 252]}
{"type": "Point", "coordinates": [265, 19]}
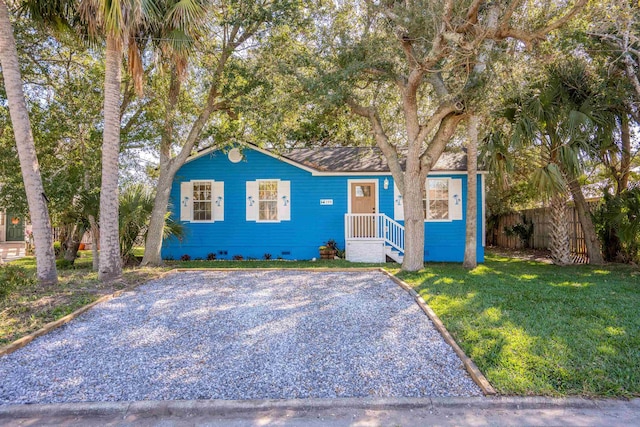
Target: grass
{"type": "Point", "coordinates": [538, 329]}
{"type": "Point", "coordinates": [27, 309]}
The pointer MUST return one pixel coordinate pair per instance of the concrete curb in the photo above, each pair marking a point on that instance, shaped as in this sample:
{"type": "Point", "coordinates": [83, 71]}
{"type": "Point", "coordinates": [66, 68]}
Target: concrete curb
{"type": "Point", "coordinates": [21, 342]}
{"type": "Point", "coordinates": [182, 408]}
{"type": "Point", "coordinates": [471, 367]}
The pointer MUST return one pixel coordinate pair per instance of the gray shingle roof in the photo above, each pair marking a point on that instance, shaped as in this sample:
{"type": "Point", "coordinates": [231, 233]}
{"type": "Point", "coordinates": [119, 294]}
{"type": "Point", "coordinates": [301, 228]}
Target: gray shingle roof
{"type": "Point", "coordinates": [361, 159]}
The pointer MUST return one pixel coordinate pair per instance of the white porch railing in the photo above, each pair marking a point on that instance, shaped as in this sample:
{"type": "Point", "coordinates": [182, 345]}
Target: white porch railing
{"type": "Point", "coordinates": [374, 227]}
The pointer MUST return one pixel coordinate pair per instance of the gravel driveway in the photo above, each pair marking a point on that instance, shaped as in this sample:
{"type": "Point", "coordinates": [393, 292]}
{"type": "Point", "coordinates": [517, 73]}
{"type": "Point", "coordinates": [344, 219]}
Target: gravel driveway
{"type": "Point", "coordinates": [242, 335]}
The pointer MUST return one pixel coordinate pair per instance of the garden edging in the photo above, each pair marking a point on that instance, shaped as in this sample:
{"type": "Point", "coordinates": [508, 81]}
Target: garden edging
{"type": "Point", "coordinates": [477, 375]}
{"type": "Point", "coordinates": [21, 342]}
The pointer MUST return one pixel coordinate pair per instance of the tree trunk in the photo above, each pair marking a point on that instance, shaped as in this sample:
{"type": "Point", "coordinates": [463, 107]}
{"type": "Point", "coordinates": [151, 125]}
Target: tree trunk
{"type": "Point", "coordinates": [413, 222]}
{"type": "Point", "coordinates": [95, 242]}
{"type": "Point", "coordinates": [153, 244]}
{"type": "Point", "coordinates": [471, 241]}
{"type": "Point", "coordinates": [73, 242]}
{"type": "Point", "coordinates": [559, 231]}
{"type": "Point", "coordinates": [110, 262]}
{"type": "Point", "coordinates": [168, 169]}
{"type": "Point", "coordinates": [43, 238]}
{"type": "Point", "coordinates": [594, 250]}
{"type": "Point", "coordinates": [625, 155]}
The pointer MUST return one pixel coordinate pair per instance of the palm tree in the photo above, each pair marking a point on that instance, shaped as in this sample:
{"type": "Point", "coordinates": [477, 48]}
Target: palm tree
{"type": "Point", "coordinates": [556, 116]}
{"type": "Point", "coordinates": [45, 257]}
{"type": "Point", "coordinates": [119, 21]}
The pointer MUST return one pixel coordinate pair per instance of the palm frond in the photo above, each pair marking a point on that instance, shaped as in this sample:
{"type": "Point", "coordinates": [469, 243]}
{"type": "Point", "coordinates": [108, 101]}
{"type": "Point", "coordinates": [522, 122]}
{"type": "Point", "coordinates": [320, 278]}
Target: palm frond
{"type": "Point", "coordinates": [549, 181]}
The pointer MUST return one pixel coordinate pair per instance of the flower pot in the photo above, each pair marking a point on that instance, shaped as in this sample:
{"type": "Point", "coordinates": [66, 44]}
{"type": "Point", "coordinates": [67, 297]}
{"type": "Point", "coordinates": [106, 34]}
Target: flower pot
{"type": "Point", "coordinates": [327, 253]}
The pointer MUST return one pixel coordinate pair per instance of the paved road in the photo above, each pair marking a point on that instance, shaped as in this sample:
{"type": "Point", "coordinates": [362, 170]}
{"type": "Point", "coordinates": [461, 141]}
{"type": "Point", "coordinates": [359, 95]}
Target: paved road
{"type": "Point", "coordinates": [333, 412]}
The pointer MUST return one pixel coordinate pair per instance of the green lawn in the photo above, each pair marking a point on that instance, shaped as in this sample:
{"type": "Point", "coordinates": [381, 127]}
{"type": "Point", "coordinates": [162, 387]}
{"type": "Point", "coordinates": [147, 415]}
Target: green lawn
{"type": "Point", "coordinates": [539, 329]}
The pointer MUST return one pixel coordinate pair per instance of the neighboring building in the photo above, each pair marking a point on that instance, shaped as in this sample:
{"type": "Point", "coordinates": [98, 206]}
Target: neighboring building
{"type": "Point", "coordinates": [12, 227]}
{"type": "Point", "coordinates": [250, 202]}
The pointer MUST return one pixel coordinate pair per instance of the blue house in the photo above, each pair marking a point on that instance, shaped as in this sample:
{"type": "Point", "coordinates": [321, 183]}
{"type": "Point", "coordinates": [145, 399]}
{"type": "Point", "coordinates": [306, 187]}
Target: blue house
{"type": "Point", "coordinates": [250, 201]}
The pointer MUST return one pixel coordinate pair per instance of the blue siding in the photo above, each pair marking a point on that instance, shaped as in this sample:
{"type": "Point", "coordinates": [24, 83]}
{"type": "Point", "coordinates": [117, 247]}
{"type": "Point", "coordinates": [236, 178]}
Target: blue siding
{"type": "Point", "coordinates": [311, 224]}
{"type": "Point", "coordinates": [445, 241]}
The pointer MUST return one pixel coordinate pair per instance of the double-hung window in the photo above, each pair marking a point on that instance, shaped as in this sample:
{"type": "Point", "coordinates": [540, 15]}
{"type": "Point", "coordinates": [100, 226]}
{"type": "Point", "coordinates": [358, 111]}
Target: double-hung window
{"type": "Point", "coordinates": [267, 200]}
{"type": "Point", "coordinates": [436, 199]}
{"type": "Point", "coordinates": [202, 201]}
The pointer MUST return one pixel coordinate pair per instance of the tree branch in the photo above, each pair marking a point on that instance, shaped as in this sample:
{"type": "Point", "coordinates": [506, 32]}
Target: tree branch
{"type": "Point", "coordinates": [445, 109]}
{"type": "Point", "coordinates": [439, 142]}
{"type": "Point", "coordinates": [528, 38]}
{"type": "Point", "coordinates": [437, 82]}
{"type": "Point", "coordinates": [471, 18]}
{"type": "Point", "coordinates": [382, 141]}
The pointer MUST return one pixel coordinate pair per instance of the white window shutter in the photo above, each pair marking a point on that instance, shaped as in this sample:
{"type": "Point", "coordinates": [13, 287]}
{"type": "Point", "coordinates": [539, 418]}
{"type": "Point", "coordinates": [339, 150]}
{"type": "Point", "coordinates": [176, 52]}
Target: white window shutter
{"type": "Point", "coordinates": [217, 190]}
{"type": "Point", "coordinates": [398, 205]}
{"type": "Point", "coordinates": [252, 200]}
{"type": "Point", "coordinates": [186, 201]}
{"type": "Point", "coordinates": [284, 200]}
{"type": "Point", "coordinates": [455, 199]}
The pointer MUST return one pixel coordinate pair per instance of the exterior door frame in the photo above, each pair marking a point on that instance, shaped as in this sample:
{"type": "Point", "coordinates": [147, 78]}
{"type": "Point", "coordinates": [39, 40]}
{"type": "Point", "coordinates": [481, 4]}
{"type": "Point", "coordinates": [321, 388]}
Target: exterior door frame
{"type": "Point", "coordinates": [3, 225]}
{"type": "Point", "coordinates": [7, 224]}
{"type": "Point", "coordinates": [374, 181]}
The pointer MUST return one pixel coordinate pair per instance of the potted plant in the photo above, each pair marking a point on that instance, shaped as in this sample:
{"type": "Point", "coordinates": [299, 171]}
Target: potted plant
{"type": "Point", "coordinates": [329, 250]}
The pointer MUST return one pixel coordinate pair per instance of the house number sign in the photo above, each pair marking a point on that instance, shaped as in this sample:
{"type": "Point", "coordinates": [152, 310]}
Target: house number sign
{"type": "Point", "coordinates": [326, 202]}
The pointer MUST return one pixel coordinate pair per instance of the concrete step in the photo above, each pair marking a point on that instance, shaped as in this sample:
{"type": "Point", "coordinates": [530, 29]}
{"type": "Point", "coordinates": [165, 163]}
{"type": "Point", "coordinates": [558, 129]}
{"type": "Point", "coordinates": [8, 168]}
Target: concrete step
{"type": "Point", "coordinates": [394, 254]}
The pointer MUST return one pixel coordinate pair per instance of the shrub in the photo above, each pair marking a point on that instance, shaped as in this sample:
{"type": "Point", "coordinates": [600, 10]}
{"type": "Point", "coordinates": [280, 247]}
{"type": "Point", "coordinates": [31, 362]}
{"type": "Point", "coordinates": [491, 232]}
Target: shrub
{"type": "Point", "coordinates": [136, 203]}
{"type": "Point", "coordinates": [238, 258]}
{"type": "Point", "coordinates": [185, 257]}
{"type": "Point", "coordinates": [64, 264]}
{"type": "Point", "coordinates": [57, 249]}
{"type": "Point", "coordinates": [523, 230]}
{"type": "Point", "coordinates": [617, 222]}
{"type": "Point", "coordinates": [266, 256]}
{"type": "Point", "coordinates": [13, 277]}
{"type": "Point", "coordinates": [211, 256]}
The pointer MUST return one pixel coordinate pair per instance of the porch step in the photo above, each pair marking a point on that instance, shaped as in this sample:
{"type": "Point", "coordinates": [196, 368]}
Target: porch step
{"type": "Point", "coordinates": [394, 254]}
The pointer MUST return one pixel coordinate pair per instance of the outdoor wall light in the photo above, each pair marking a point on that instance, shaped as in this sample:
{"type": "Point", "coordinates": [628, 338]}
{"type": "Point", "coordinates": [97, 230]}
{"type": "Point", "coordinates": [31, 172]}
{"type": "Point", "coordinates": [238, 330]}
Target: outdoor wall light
{"type": "Point", "coordinates": [385, 184]}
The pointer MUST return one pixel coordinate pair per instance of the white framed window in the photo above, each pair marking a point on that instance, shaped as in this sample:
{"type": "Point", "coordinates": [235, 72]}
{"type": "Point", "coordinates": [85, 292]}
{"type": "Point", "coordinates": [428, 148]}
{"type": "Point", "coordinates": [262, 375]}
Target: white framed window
{"type": "Point", "coordinates": [436, 199]}
{"type": "Point", "coordinates": [267, 200]}
{"type": "Point", "coordinates": [202, 201]}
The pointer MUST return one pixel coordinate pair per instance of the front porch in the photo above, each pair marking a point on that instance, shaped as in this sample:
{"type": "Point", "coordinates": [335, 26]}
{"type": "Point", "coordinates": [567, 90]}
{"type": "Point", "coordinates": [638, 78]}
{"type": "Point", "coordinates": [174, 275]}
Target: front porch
{"type": "Point", "coordinates": [373, 238]}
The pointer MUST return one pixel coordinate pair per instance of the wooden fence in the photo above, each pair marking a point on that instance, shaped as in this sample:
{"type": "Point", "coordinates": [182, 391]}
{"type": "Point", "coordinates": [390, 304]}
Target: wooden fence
{"type": "Point", "coordinates": [541, 218]}
{"type": "Point", "coordinates": [86, 238]}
